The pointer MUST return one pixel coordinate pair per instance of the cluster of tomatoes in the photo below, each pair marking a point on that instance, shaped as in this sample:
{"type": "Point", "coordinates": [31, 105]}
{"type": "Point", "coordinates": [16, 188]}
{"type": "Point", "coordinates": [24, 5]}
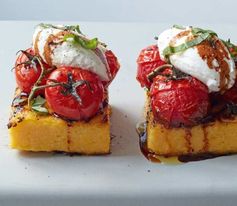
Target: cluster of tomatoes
{"type": "Point", "coordinates": [175, 102]}
{"type": "Point", "coordinates": [73, 93]}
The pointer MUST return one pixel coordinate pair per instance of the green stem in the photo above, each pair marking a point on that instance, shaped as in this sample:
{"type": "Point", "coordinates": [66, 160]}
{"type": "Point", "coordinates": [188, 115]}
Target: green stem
{"type": "Point", "coordinates": [157, 71]}
{"type": "Point", "coordinates": [34, 89]}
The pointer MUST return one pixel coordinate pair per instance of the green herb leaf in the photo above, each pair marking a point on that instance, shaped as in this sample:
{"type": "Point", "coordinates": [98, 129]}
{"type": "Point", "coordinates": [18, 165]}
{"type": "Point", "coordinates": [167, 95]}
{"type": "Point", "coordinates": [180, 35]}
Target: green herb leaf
{"type": "Point", "coordinates": [87, 44]}
{"type": "Point", "coordinates": [38, 105]}
{"type": "Point", "coordinates": [17, 101]}
{"type": "Point", "coordinates": [228, 43]}
{"type": "Point", "coordinates": [158, 71]}
{"type": "Point", "coordinates": [46, 26]}
{"type": "Point", "coordinates": [232, 48]}
{"type": "Point", "coordinates": [75, 28]}
{"type": "Point", "coordinates": [74, 38]}
{"type": "Point", "coordinates": [178, 26]}
{"type": "Point", "coordinates": [199, 34]}
{"type": "Point", "coordinates": [197, 31]}
{"type": "Point", "coordinates": [172, 50]}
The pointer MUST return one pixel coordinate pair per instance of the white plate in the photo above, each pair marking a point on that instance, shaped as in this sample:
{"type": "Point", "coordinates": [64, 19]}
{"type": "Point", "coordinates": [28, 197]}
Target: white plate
{"type": "Point", "coordinates": [125, 177]}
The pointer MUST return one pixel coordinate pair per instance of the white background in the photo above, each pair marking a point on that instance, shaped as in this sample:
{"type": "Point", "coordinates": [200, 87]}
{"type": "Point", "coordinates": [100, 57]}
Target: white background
{"type": "Point", "coordinates": [125, 177]}
{"type": "Point", "coordinates": [168, 11]}
{"type": "Point", "coordinates": [121, 178]}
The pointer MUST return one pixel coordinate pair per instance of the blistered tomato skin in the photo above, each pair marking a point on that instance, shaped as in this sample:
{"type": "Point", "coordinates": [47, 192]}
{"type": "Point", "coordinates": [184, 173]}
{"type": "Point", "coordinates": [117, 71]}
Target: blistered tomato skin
{"type": "Point", "coordinates": [64, 104]}
{"type": "Point", "coordinates": [27, 75]}
{"type": "Point", "coordinates": [179, 102]}
{"type": "Point", "coordinates": [148, 60]}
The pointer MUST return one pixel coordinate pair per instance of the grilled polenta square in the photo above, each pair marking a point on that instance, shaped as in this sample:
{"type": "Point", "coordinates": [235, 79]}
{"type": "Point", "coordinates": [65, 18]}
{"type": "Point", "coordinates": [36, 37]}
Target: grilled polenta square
{"type": "Point", "coordinates": [217, 137]}
{"type": "Point", "coordinates": [31, 131]}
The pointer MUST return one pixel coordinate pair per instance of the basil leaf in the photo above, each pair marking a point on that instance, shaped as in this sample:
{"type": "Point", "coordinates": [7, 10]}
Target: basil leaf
{"type": "Point", "coordinates": [172, 50]}
{"type": "Point", "coordinates": [18, 101]}
{"type": "Point", "coordinates": [87, 44]}
{"type": "Point", "coordinates": [232, 48]}
{"type": "Point", "coordinates": [75, 28]}
{"type": "Point", "coordinates": [70, 38]}
{"type": "Point", "coordinates": [178, 26]}
{"type": "Point", "coordinates": [74, 38]}
{"type": "Point", "coordinates": [197, 31]}
{"type": "Point", "coordinates": [47, 26]}
{"type": "Point", "coordinates": [38, 105]}
{"type": "Point", "coordinates": [229, 44]}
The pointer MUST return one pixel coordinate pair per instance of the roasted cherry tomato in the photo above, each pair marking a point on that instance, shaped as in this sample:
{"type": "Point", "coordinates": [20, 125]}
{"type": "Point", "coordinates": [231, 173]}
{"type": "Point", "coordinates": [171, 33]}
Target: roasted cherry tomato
{"type": "Point", "coordinates": [180, 102]}
{"type": "Point", "coordinates": [148, 60]}
{"type": "Point", "coordinates": [78, 96]}
{"type": "Point", "coordinates": [27, 71]}
{"type": "Point", "coordinates": [113, 65]}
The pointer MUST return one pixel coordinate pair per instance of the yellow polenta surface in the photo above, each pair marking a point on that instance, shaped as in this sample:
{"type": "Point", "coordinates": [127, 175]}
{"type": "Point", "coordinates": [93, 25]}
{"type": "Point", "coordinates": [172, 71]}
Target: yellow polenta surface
{"type": "Point", "coordinates": [33, 132]}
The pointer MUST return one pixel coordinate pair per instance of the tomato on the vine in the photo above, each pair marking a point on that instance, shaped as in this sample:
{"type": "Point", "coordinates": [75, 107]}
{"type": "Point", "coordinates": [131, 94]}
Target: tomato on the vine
{"type": "Point", "coordinates": [27, 71]}
{"type": "Point", "coordinates": [78, 95]}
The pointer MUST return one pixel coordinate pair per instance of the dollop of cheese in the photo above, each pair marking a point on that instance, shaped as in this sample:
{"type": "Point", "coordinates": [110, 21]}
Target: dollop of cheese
{"type": "Point", "coordinates": [191, 62]}
{"type": "Point", "coordinates": [68, 54]}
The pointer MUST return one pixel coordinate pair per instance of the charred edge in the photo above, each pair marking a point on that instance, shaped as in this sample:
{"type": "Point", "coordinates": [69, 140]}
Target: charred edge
{"type": "Point", "coordinates": [11, 124]}
{"type": "Point", "coordinates": [14, 124]}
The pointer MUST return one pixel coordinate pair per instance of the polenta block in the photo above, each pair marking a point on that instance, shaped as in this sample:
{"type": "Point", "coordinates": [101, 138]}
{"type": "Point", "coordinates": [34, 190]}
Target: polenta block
{"type": "Point", "coordinates": [33, 132]}
{"type": "Point", "coordinates": [216, 137]}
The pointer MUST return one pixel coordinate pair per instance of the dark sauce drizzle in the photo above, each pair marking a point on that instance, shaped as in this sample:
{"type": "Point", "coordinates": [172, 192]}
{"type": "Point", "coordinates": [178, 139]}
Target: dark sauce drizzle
{"type": "Point", "coordinates": [151, 156]}
{"type": "Point", "coordinates": [141, 130]}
